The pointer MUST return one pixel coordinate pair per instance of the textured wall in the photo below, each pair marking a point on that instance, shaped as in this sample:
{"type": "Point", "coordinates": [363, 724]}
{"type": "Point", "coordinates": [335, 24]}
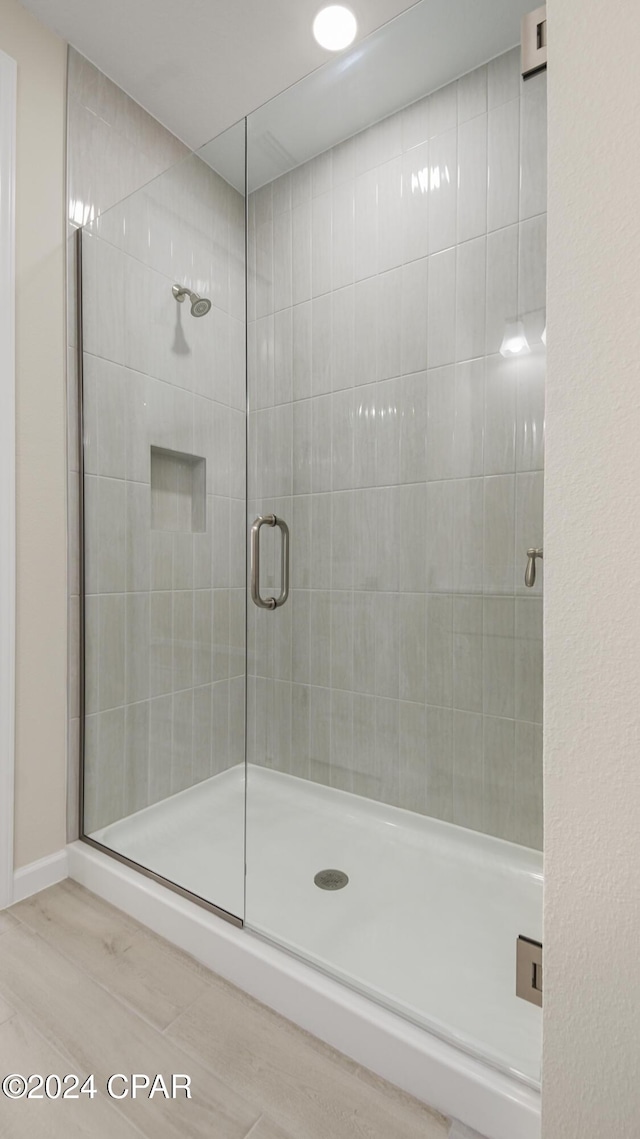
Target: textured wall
{"type": "Point", "coordinates": [164, 591]}
{"type": "Point", "coordinates": [40, 395]}
{"type": "Point", "coordinates": [592, 617]}
{"type": "Point", "coordinates": [406, 454]}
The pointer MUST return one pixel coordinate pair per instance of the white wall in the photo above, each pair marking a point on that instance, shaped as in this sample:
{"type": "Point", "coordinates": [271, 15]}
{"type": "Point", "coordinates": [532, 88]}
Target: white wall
{"type": "Point", "coordinates": [40, 400]}
{"type": "Point", "coordinates": [592, 550]}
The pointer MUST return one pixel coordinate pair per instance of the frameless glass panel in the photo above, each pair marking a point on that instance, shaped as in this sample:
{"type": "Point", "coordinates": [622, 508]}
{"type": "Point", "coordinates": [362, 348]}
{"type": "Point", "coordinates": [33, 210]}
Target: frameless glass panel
{"type": "Point", "coordinates": [396, 277]}
{"type": "Point", "coordinates": [163, 303]}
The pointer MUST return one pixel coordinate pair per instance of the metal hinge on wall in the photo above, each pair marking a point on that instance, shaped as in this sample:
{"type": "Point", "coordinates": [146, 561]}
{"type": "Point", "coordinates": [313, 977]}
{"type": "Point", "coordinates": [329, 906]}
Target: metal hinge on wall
{"type": "Point", "coordinates": [534, 42]}
{"type": "Point", "coordinates": [529, 970]}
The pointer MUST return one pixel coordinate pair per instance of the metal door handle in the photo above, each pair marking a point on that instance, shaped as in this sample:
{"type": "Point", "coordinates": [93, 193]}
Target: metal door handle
{"type": "Point", "coordinates": [530, 572]}
{"type": "Point", "coordinates": [269, 602]}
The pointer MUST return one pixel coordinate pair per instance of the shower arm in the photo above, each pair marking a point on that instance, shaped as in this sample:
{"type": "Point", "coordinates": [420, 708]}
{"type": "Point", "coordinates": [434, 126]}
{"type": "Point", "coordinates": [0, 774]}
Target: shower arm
{"type": "Point", "coordinates": [181, 292]}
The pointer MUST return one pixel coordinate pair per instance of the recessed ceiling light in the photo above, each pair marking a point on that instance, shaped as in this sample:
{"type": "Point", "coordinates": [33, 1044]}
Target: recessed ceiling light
{"type": "Point", "coordinates": [335, 27]}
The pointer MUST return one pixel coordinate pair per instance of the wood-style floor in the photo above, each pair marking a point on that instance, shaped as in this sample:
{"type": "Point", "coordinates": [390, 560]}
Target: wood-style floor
{"type": "Point", "coordinates": [85, 989]}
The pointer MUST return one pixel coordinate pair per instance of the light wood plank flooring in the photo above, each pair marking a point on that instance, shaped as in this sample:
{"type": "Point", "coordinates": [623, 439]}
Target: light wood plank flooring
{"type": "Point", "coordinates": [84, 988]}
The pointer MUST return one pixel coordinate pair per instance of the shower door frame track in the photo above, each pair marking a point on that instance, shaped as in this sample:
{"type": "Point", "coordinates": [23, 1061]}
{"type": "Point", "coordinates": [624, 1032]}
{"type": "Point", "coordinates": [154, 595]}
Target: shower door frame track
{"type": "Point", "coordinates": [188, 894]}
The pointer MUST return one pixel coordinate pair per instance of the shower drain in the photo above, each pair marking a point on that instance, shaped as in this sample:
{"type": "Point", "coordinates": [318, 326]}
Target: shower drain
{"type": "Point", "coordinates": [331, 879]}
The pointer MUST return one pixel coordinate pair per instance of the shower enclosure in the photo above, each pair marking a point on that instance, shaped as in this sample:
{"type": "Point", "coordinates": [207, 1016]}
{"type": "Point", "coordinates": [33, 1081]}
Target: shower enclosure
{"type": "Point", "coordinates": [313, 412]}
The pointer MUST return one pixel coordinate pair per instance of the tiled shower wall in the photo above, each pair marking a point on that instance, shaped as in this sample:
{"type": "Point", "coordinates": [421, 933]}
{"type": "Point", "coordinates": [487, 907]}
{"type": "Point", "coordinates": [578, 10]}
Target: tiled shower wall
{"type": "Point", "coordinates": [165, 594]}
{"type": "Point", "coordinates": [113, 148]}
{"type": "Point", "coordinates": [406, 454]}
{"type": "Point", "coordinates": [114, 145]}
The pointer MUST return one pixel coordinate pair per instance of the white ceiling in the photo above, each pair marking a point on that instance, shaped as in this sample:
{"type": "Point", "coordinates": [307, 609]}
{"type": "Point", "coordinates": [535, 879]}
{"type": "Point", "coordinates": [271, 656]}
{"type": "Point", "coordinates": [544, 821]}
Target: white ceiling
{"type": "Point", "coordinates": [200, 65]}
{"type": "Point", "coordinates": [433, 43]}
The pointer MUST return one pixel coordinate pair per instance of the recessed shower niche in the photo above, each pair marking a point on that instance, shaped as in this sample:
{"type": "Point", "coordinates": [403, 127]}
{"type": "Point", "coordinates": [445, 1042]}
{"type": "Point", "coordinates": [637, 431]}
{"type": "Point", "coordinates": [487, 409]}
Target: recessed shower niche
{"type": "Point", "coordinates": [178, 491]}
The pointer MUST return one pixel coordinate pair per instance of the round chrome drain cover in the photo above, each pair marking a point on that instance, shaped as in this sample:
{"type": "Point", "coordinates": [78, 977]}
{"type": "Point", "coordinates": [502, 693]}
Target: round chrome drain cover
{"type": "Point", "coordinates": [331, 879]}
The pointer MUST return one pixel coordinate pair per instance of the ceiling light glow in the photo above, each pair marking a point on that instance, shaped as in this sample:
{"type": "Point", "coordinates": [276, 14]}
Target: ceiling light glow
{"type": "Point", "coordinates": [335, 27]}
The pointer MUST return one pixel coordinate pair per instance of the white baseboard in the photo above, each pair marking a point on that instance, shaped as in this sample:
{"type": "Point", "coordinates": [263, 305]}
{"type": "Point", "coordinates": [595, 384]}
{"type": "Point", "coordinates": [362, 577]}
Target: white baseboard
{"type": "Point", "coordinates": [38, 875]}
{"type": "Point", "coordinates": [454, 1083]}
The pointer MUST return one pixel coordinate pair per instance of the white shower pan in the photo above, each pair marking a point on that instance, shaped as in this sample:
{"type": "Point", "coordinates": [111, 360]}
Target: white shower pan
{"type": "Point", "coordinates": [427, 925]}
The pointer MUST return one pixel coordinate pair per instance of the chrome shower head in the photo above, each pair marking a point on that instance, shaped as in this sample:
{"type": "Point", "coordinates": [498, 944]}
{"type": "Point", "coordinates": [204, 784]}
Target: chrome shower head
{"type": "Point", "coordinates": [199, 305]}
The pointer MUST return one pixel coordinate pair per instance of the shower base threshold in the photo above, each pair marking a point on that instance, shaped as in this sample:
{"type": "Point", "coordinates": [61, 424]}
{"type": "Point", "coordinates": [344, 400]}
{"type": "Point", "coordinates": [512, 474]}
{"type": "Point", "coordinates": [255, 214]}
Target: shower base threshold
{"type": "Point", "coordinates": [427, 923]}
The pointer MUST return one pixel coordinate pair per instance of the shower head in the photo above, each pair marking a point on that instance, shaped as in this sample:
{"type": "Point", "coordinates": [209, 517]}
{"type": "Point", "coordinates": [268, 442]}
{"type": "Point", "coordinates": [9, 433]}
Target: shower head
{"type": "Point", "coordinates": [199, 305]}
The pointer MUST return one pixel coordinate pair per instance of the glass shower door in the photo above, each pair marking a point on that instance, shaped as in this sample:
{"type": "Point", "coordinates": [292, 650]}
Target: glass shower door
{"type": "Point", "coordinates": [163, 364]}
{"type": "Point", "coordinates": [396, 316]}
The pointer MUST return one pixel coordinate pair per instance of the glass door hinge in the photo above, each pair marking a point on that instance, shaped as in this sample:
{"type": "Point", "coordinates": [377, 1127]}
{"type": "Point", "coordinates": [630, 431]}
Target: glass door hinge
{"type": "Point", "coordinates": [529, 970]}
{"type": "Point", "coordinates": [534, 42]}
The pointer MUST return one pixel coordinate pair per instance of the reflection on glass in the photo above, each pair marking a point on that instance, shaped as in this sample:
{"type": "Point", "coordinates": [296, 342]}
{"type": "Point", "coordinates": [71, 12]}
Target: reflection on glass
{"type": "Point", "coordinates": [164, 477]}
{"type": "Point", "coordinates": [396, 221]}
